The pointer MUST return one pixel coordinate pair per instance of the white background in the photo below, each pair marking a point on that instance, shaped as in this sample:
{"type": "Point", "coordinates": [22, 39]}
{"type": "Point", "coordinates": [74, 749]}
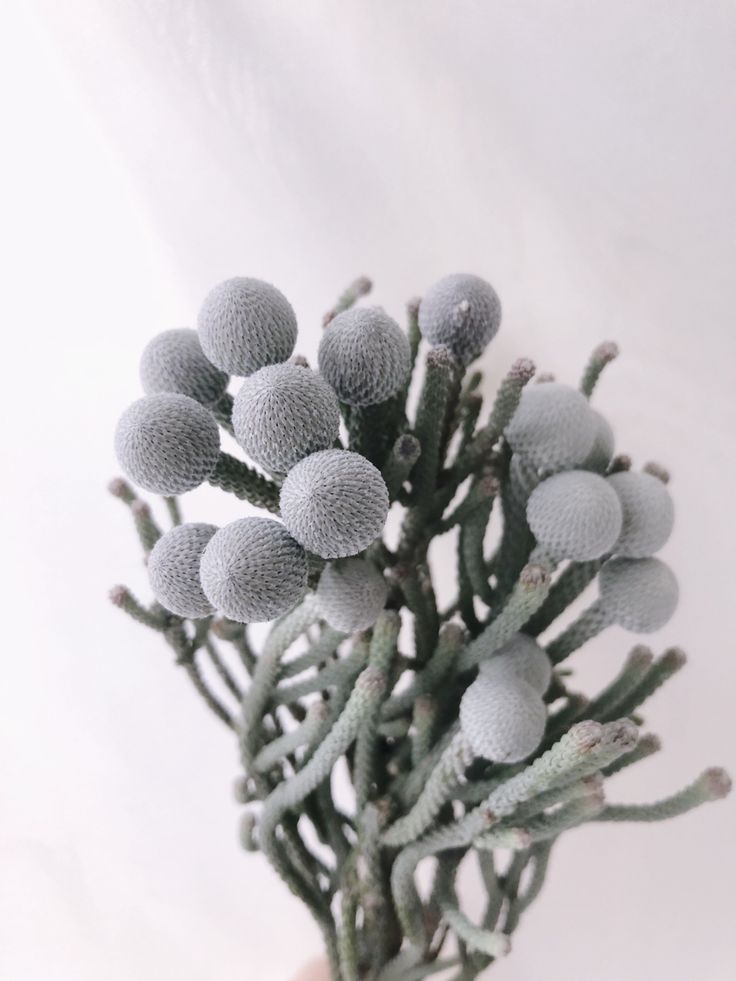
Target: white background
{"type": "Point", "coordinates": [581, 157]}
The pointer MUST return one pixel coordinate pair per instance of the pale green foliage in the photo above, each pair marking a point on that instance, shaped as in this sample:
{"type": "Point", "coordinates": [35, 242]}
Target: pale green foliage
{"type": "Point", "coordinates": [384, 706]}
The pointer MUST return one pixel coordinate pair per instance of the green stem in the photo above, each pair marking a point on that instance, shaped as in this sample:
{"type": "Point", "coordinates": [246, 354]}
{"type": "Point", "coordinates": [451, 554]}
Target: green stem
{"type": "Point", "coordinates": [711, 785]}
{"type": "Point", "coordinates": [222, 410]}
{"type": "Point", "coordinates": [222, 670]}
{"type": "Point", "coordinates": [672, 661]}
{"type": "Point", "coordinates": [504, 407]}
{"type": "Point", "coordinates": [647, 746]}
{"type": "Point", "coordinates": [382, 652]}
{"type": "Point", "coordinates": [564, 591]}
{"type": "Point", "coordinates": [172, 506]}
{"type": "Point", "coordinates": [236, 477]}
{"type": "Point", "coordinates": [258, 696]}
{"type": "Point", "coordinates": [601, 356]}
{"type": "Point", "coordinates": [526, 597]}
{"type": "Point", "coordinates": [155, 618]}
{"type": "Point", "coordinates": [429, 429]}
{"type": "Point", "coordinates": [607, 704]}
{"type": "Point", "coordinates": [348, 298]}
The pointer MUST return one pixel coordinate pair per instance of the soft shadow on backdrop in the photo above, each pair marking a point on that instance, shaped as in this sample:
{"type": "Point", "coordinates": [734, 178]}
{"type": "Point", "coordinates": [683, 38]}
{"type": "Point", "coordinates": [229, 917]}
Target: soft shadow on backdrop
{"type": "Point", "coordinates": [581, 157]}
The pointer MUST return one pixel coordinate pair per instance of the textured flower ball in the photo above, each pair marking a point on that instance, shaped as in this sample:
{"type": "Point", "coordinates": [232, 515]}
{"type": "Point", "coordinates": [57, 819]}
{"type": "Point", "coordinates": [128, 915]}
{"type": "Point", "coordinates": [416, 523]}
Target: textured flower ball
{"type": "Point", "coordinates": [245, 324]}
{"type": "Point", "coordinates": [502, 717]}
{"type": "Point", "coordinates": [575, 515]}
{"type": "Point", "coordinates": [602, 450]}
{"type": "Point", "coordinates": [173, 568]}
{"type": "Point", "coordinates": [461, 312]}
{"type": "Point", "coordinates": [334, 503]}
{"type": "Point", "coordinates": [522, 657]}
{"type": "Point", "coordinates": [350, 594]}
{"type": "Point", "coordinates": [365, 356]}
{"type": "Point", "coordinates": [649, 513]}
{"type": "Point", "coordinates": [252, 570]}
{"type": "Point", "coordinates": [174, 362]}
{"type": "Point", "coordinates": [167, 444]}
{"type": "Point", "coordinates": [284, 412]}
{"type": "Point", "coordinates": [553, 427]}
{"type": "Point", "coordinates": [638, 594]}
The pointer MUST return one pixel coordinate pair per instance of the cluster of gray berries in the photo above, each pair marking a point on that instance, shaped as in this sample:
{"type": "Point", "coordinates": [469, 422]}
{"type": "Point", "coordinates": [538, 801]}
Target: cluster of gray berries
{"type": "Point", "coordinates": [286, 417]}
{"type": "Point", "coordinates": [464, 734]}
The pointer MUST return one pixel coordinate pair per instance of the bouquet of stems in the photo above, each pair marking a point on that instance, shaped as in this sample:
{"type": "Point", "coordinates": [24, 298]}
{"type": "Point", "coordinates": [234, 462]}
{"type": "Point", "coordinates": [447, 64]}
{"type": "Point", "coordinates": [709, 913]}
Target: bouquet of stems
{"type": "Point", "coordinates": [458, 729]}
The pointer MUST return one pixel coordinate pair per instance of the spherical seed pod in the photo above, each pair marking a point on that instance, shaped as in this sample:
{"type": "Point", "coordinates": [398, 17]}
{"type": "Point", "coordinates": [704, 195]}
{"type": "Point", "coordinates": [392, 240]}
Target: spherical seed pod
{"type": "Point", "coordinates": [350, 594]}
{"type": "Point", "coordinates": [502, 717]}
{"type": "Point", "coordinates": [252, 570]}
{"type": "Point", "coordinates": [602, 450]}
{"type": "Point", "coordinates": [522, 657]}
{"type": "Point", "coordinates": [245, 324]}
{"type": "Point", "coordinates": [575, 515]}
{"type": "Point", "coordinates": [461, 312]}
{"type": "Point", "coordinates": [334, 503]}
{"type": "Point", "coordinates": [365, 356]}
{"type": "Point", "coordinates": [173, 569]}
{"type": "Point", "coordinates": [174, 361]}
{"type": "Point", "coordinates": [553, 427]}
{"type": "Point", "coordinates": [648, 512]}
{"type": "Point", "coordinates": [167, 444]}
{"type": "Point", "coordinates": [284, 412]}
{"type": "Point", "coordinates": [638, 594]}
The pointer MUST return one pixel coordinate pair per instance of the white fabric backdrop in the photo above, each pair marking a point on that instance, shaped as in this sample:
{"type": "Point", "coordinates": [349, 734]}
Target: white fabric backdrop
{"type": "Point", "coordinates": [578, 155]}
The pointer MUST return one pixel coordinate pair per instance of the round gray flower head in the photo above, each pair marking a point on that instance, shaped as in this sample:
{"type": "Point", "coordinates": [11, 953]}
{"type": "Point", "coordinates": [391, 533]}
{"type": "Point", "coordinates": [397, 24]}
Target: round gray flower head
{"type": "Point", "coordinates": [174, 362]}
{"type": "Point", "coordinates": [649, 513]}
{"type": "Point", "coordinates": [462, 312]}
{"type": "Point", "coordinates": [553, 427]}
{"type": "Point", "coordinates": [521, 657]}
{"type": "Point", "coordinates": [173, 568]}
{"type": "Point", "coordinates": [284, 412]}
{"type": "Point", "coordinates": [502, 717]}
{"type": "Point", "coordinates": [602, 450]}
{"type": "Point", "coordinates": [334, 503]}
{"type": "Point", "coordinates": [638, 594]}
{"type": "Point", "coordinates": [252, 570]}
{"type": "Point", "coordinates": [365, 356]}
{"type": "Point", "coordinates": [245, 324]}
{"type": "Point", "coordinates": [167, 444]}
{"type": "Point", "coordinates": [575, 515]}
{"type": "Point", "coordinates": [350, 594]}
